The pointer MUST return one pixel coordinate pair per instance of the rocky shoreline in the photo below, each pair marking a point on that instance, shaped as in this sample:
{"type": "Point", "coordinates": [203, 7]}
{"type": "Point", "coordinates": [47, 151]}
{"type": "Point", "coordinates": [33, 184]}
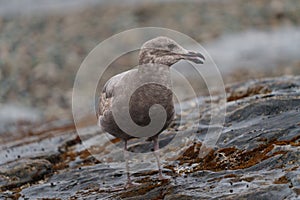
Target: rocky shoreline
{"type": "Point", "coordinates": [256, 157]}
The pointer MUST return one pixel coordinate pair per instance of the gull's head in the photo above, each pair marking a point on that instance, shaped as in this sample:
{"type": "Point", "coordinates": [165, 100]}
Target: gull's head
{"type": "Point", "coordinates": [165, 51]}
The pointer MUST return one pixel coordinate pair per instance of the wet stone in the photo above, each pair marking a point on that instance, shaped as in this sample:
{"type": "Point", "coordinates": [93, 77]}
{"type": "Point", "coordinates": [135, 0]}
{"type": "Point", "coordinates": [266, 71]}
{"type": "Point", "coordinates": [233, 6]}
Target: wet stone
{"type": "Point", "coordinates": [23, 171]}
{"type": "Point", "coordinates": [255, 157]}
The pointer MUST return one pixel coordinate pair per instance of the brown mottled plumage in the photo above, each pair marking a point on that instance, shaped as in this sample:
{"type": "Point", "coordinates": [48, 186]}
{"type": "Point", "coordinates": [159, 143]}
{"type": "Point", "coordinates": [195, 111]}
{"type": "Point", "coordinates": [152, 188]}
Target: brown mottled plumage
{"type": "Point", "coordinates": [155, 58]}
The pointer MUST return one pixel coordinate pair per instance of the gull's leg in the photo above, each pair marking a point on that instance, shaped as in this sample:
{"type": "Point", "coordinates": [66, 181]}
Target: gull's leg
{"type": "Point", "coordinates": [156, 153]}
{"type": "Point", "coordinates": [126, 157]}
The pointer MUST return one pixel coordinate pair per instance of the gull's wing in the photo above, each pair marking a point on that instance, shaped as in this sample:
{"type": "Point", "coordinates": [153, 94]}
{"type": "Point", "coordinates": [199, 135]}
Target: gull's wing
{"type": "Point", "coordinates": [107, 94]}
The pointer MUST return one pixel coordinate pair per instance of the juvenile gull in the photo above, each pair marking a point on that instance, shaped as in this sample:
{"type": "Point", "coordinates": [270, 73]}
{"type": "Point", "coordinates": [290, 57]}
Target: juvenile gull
{"type": "Point", "coordinates": [155, 58]}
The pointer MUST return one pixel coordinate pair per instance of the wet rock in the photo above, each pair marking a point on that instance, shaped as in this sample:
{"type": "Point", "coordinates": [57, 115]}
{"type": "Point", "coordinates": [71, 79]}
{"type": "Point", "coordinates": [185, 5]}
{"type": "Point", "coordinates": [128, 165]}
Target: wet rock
{"type": "Point", "coordinates": [256, 156]}
{"type": "Point", "coordinates": [70, 182]}
{"type": "Point", "coordinates": [23, 171]}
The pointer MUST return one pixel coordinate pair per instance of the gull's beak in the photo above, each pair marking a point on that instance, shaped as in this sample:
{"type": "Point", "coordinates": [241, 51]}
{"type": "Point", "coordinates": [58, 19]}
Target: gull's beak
{"type": "Point", "coordinates": [195, 57]}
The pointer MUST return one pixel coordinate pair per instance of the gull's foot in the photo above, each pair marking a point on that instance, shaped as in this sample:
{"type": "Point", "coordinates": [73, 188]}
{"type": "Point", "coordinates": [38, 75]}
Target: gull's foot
{"type": "Point", "coordinates": [161, 177]}
{"type": "Point", "coordinates": [130, 184]}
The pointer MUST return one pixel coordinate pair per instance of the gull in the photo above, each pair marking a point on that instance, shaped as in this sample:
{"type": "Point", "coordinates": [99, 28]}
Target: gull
{"type": "Point", "coordinates": [156, 56]}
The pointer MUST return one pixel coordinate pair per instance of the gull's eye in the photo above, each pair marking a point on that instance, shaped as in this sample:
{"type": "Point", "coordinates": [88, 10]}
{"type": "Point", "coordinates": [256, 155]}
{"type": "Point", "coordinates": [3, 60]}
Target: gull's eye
{"type": "Point", "coordinates": [171, 46]}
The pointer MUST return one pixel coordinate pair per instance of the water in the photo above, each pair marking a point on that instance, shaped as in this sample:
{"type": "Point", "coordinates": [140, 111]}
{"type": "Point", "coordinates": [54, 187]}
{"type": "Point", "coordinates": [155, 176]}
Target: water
{"type": "Point", "coordinates": [11, 114]}
{"type": "Point", "coordinates": [13, 7]}
{"type": "Point", "coordinates": [256, 49]}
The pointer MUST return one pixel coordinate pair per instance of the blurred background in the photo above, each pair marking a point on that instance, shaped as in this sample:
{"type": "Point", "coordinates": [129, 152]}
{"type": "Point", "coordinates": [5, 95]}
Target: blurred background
{"type": "Point", "coordinates": [43, 43]}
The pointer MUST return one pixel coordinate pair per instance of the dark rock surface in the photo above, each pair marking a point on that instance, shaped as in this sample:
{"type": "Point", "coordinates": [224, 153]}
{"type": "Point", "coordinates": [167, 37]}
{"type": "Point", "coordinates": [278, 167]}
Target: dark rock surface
{"type": "Point", "coordinates": [257, 155]}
